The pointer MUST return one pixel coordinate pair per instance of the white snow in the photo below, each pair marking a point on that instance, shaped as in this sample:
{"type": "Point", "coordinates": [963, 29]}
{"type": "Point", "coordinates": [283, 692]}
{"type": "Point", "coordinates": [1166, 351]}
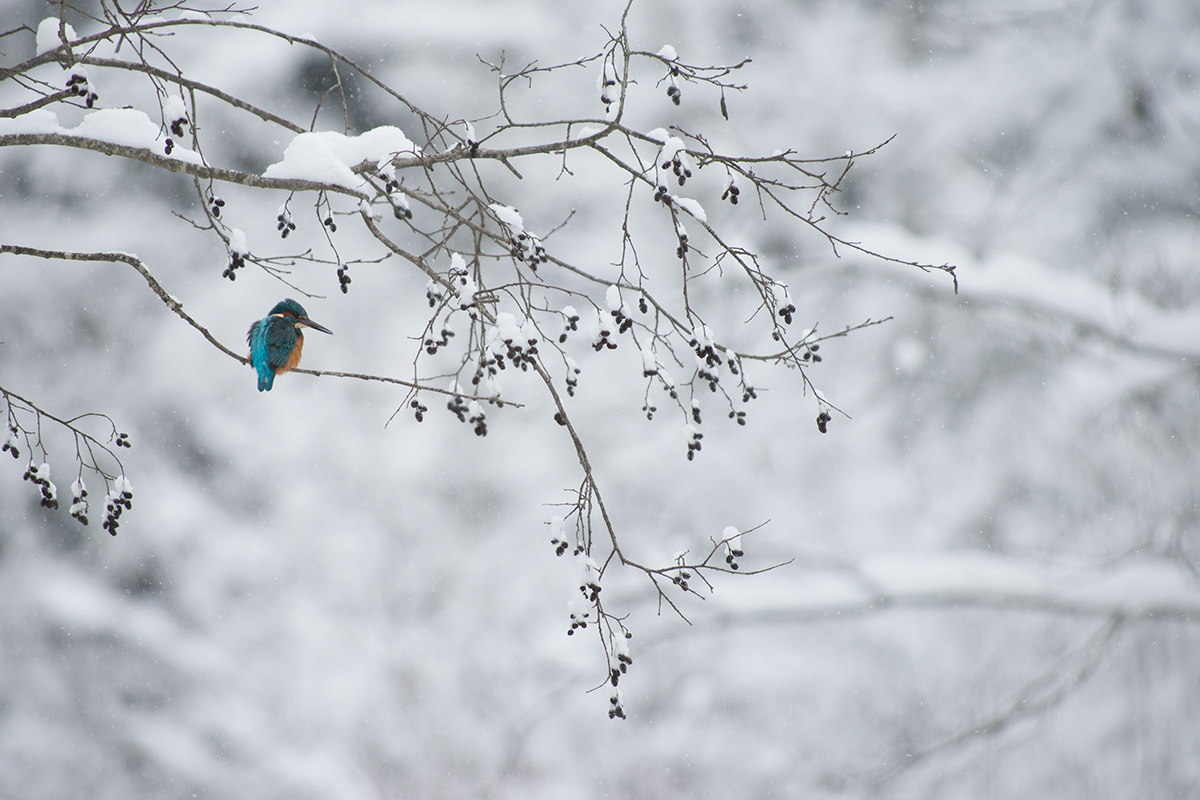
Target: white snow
{"type": "Point", "coordinates": [328, 156]}
{"type": "Point", "coordinates": [466, 291]}
{"type": "Point", "coordinates": [659, 134]}
{"type": "Point", "coordinates": [667, 52]}
{"type": "Point", "coordinates": [47, 35]}
{"type": "Point", "coordinates": [671, 146]}
{"type": "Point", "coordinates": [237, 242]}
{"type": "Point", "coordinates": [529, 334]}
{"type": "Point", "coordinates": [509, 216]}
{"type": "Point", "coordinates": [507, 328]}
{"type": "Point", "coordinates": [649, 361]}
{"type": "Point", "coordinates": [127, 127]}
{"type": "Point", "coordinates": [692, 207]}
{"type": "Point", "coordinates": [174, 108]}
{"type": "Point", "coordinates": [612, 298]}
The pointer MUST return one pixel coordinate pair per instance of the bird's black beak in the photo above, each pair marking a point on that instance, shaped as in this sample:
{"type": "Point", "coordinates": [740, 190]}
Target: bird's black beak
{"type": "Point", "coordinates": [310, 324]}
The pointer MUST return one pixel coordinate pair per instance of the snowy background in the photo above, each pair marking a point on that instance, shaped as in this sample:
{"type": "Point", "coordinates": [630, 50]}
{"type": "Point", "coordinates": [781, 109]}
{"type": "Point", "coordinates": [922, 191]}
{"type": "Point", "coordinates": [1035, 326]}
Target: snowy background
{"type": "Point", "coordinates": [994, 591]}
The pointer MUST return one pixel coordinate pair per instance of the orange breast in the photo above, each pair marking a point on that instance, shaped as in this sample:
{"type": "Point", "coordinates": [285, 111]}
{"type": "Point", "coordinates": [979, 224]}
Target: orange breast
{"type": "Point", "coordinates": [294, 356]}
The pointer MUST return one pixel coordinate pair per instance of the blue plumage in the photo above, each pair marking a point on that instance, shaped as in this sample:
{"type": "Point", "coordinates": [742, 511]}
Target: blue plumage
{"type": "Point", "coordinates": [276, 341]}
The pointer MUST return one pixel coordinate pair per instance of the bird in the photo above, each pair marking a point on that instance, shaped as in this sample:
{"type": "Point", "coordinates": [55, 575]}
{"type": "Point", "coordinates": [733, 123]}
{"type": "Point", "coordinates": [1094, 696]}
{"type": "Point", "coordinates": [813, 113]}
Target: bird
{"type": "Point", "coordinates": [276, 341]}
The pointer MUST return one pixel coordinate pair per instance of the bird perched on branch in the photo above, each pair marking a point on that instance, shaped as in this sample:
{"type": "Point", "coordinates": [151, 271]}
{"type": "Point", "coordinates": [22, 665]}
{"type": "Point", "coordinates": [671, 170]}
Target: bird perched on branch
{"type": "Point", "coordinates": [276, 341]}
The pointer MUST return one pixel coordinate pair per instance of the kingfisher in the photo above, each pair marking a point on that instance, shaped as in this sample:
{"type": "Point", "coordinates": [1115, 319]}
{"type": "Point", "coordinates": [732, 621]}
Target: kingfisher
{"type": "Point", "coordinates": [276, 341]}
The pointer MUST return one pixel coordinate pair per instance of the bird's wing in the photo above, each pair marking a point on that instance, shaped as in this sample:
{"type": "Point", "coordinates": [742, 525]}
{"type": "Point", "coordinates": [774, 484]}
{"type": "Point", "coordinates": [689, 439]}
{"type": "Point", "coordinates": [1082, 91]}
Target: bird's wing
{"type": "Point", "coordinates": [281, 338]}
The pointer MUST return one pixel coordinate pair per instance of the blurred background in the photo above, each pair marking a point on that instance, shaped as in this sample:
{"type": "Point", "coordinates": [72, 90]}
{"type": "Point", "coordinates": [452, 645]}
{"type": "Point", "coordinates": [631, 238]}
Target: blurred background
{"type": "Point", "coordinates": [309, 602]}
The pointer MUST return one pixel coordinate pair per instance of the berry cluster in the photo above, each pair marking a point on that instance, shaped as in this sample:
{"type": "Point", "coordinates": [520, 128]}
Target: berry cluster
{"type": "Point", "coordinates": [285, 225]}
{"type": "Point", "coordinates": [694, 444]}
{"type": "Point", "coordinates": [119, 499]}
{"type": "Point", "coordinates": [704, 349]}
{"type": "Point", "coordinates": [572, 322]}
{"type": "Point", "coordinates": [681, 579]}
{"type": "Point", "coordinates": [810, 353]}
{"type": "Point", "coordinates": [607, 83]}
{"type": "Point", "coordinates": [579, 619]}
{"type": "Point", "coordinates": [614, 677]}
{"type": "Point", "coordinates": [40, 476]}
{"type": "Point", "coordinates": [673, 86]}
{"type": "Point", "coordinates": [343, 277]}
{"type": "Point", "coordinates": [602, 340]}
{"type": "Point", "coordinates": [740, 416]}
{"type": "Point", "coordinates": [236, 262]}
{"type": "Point", "coordinates": [823, 420]}
{"type": "Point", "coordinates": [572, 376]}
{"type": "Point", "coordinates": [458, 407]}
{"type": "Point", "coordinates": [10, 443]}
{"type": "Point", "coordinates": [731, 192]}
{"type": "Point", "coordinates": [123, 440]}
{"type": "Point", "coordinates": [177, 129]}
{"type": "Point", "coordinates": [682, 250]}
{"type": "Point", "coordinates": [560, 546]}
{"type": "Point", "coordinates": [432, 345]}
{"type": "Point", "coordinates": [624, 323]}
{"type": "Point", "coordinates": [528, 249]}
{"type": "Point", "coordinates": [786, 312]}
{"type": "Point", "coordinates": [617, 710]}
{"type": "Point", "coordinates": [215, 204]}
{"type": "Point", "coordinates": [434, 293]}
{"type": "Point", "coordinates": [677, 166]}
{"type": "Point", "coordinates": [732, 539]}
{"type": "Point", "coordinates": [696, 412]}
{"type": "Point", "coordinates": [558, 537]}
{"type": "Point", "coordinates": [418, 410]}
{"type": "Point", "coordinates": [79, 504]}
{"type": "Point", "coordinates": [590, 588]}
{"type": "Point", "coordinates": [79, 85]}
{"type": "Point", "coordinates": [471, 413]}
{"type": "Point", "coordinates": [662, 195]}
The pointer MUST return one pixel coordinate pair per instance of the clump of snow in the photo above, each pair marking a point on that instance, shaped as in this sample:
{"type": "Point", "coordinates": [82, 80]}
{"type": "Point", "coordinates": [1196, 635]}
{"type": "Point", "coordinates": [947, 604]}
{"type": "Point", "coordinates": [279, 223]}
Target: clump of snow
{"type": "Point", "coordinates": [667, 52]}
{"type": "Point", "coordinates": [692, 207]}
{"type": "Point", "coordinates": [328, 157]}
{"type": "Point", "coordinates": [507, 328]}
{"type": "Point", "coordinates": [509, 216]}
{"type": "Point", "coordinates": [606, 83]}
{"type": "Point", "coordinates": [613, 298]}
{"type": "Point", "coordinates": [237, 242]}
{"type": "Point", "coordinates": [127, 127]}
{"type": "Point", "coordinates": [47, 35]}
{"type": "Point", "coordinates": [174, 108]}
{"type": "Point", "coordinates": [671, 147]}
{"type": "Point", "coordinates": [529, 332]}
{"type": "Point", "coordinates": [649, 363]}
